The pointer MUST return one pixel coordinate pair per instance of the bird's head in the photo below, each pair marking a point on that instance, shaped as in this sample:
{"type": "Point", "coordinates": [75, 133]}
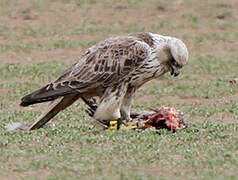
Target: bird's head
{"type": "Point", "coordinates": [178, 56]}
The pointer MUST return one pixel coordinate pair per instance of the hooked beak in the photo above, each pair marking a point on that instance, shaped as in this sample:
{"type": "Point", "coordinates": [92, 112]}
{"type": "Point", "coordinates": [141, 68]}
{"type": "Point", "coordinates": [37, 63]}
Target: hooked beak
{"type": "Point", "coordinates": [174, 71]}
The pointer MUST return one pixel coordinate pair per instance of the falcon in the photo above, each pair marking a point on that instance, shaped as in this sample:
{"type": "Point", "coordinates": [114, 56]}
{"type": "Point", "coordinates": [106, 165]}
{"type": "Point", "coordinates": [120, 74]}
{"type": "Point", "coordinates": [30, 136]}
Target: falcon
{"type": "Point", "coordinates": [108, 74]}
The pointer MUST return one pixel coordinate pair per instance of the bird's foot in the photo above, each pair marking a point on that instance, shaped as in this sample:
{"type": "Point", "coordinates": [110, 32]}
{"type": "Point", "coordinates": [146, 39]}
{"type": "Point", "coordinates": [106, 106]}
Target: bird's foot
{"type": "Point", "coordinates": [125, 120]}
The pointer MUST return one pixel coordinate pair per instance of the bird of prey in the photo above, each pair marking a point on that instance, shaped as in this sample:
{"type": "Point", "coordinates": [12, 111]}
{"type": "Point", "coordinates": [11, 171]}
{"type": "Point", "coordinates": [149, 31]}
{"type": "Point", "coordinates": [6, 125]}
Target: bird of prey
{"type": "Point", "coordinates": [111, 71]}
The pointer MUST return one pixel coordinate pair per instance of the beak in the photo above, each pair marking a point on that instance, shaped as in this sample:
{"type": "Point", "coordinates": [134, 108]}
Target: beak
{"type": "Point", "coordinates": [174, 71]}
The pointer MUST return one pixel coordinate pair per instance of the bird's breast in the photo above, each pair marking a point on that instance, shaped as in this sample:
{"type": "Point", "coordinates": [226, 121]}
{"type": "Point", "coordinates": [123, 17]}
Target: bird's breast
{"type": "Point", "coordinates": [146, 74]}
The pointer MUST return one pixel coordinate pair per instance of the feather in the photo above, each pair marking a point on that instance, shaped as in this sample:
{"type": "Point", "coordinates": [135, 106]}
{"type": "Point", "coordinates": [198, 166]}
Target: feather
{"type": "Point", "coordinates": [94, 69]}
{"type": "Point", "coordinates": [54, 108]}
{"type": "Point", "coordinates": [47, 93]}
{"type": "Point", "coordinates": [105, 68]}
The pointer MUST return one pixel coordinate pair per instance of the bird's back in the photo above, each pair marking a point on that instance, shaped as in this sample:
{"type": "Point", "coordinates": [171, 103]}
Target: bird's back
{"type": "Point", "coordinates": [105, 64]}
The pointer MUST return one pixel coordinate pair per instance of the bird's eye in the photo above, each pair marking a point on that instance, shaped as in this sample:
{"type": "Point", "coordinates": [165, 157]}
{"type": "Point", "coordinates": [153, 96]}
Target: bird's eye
{"type": "Point", "coordinates": [176, 64]}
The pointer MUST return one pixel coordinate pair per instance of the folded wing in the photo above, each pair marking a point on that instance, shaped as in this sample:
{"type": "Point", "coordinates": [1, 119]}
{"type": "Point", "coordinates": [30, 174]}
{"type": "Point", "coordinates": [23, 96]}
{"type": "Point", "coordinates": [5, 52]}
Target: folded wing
{"type": "Point", "coordinates": [104, 64]}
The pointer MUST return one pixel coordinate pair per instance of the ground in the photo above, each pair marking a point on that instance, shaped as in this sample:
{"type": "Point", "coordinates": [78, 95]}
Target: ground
{"type": "Point", "coordinates": [39, 39]}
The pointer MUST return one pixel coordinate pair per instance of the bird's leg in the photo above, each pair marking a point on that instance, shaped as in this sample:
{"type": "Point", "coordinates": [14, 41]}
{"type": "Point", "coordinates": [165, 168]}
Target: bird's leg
{"type": "Point", "coordinates": [126, 105]}
{"type": "Point", "coordinates": [110, 104]}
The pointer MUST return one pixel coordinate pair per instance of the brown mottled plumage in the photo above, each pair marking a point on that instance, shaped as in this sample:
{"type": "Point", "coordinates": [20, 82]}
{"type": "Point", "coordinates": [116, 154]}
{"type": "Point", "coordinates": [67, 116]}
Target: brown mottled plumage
{"type": "Point", "coordinates": [111, 71]}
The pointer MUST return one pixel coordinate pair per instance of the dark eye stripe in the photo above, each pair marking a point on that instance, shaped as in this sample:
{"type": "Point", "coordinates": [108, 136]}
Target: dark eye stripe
{"type": "Point", "coordinates": [175, 63]}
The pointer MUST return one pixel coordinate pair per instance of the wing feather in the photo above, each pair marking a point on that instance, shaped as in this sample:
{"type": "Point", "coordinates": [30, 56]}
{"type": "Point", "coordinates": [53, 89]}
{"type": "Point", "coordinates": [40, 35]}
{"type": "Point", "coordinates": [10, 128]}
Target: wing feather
{"type": "Point", "coordinates": [106, 63]}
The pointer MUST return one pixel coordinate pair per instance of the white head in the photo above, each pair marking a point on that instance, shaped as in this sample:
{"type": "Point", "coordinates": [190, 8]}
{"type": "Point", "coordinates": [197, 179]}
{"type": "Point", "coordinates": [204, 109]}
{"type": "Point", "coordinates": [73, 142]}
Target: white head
{"type": "Point", "coordinates": [178, 55]}
{"type": "Point", "coordinates": [172, 53]}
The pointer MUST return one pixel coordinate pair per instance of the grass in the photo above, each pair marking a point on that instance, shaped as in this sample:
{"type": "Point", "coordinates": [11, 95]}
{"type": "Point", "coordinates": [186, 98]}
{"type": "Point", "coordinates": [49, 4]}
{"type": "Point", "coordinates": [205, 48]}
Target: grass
{"type": "Point", "coordinates": [27, 47]}
{"type": "Point", "coordinates": [69, 147]}
{"type": "Point", "coordinates": [143, 154]}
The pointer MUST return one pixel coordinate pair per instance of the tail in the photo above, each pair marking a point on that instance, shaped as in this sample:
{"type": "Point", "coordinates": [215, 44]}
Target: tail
{"type": "Point", "coordinates": [47, 93]}
{"type": "Point", "coordinates": [51, 111]}
{"type": "Point", "coordinates": [57, 106]}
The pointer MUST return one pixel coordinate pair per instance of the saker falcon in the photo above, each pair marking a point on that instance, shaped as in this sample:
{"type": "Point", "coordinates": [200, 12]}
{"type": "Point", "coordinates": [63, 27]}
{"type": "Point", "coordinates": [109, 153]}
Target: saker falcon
{"type": "Point", "coordinates": [111, 71]}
